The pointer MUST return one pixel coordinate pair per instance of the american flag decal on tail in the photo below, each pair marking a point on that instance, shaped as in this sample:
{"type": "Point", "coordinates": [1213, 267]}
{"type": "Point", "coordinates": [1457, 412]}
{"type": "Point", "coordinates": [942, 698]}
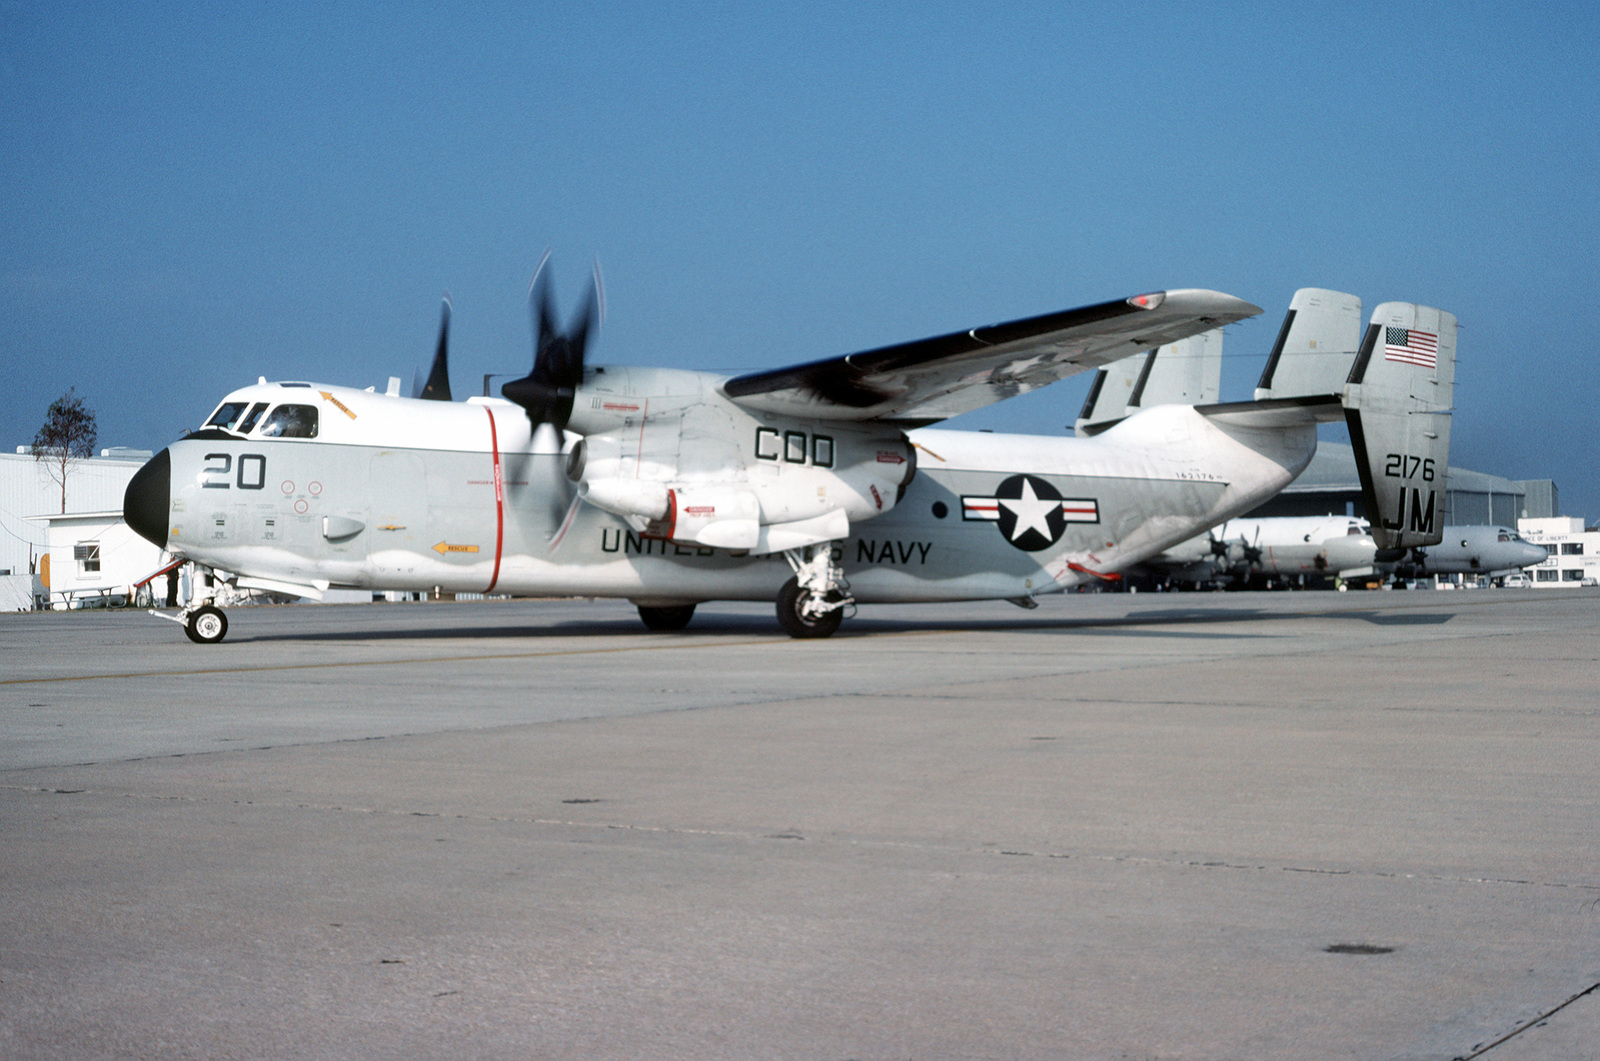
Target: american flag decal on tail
{"type": "Point", "coordinates": [1410, 346]}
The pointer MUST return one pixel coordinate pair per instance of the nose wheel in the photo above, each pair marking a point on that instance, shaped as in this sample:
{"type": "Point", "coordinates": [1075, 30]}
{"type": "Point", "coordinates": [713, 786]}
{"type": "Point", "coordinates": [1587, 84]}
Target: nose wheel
{"type": "Point", "coordinates": [206, 625]}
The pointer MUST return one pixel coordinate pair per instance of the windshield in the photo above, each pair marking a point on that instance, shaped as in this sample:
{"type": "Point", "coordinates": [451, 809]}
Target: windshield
{"type": "Point", "coordinates": [250, 420]}
{"type": "Point", "coordinates": [228, 415]}
{"type": "Point", "coordinates": [291, 421]}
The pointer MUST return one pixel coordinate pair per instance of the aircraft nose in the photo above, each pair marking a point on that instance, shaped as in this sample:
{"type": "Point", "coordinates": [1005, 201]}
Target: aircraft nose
{"type": "Point", "coordinates": [147, 500]}
{"type": "Point", "coordinates": [1534, 554]}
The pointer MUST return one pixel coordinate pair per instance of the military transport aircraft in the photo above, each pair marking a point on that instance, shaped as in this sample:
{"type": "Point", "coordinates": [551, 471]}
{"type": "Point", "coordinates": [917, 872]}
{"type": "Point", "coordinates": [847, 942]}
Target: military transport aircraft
{"type": "Point", "coordinates": [1284, 548]}
{"type": "Point", "coordinates": [820, 485]}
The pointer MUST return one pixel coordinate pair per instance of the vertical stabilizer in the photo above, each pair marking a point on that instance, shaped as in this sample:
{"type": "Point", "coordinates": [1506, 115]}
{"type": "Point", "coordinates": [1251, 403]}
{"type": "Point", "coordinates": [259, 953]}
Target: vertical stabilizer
{"type": "Point", "coordinates": [1397, 401]}
{"type": "Point", "coordinates": [1187, 372]}
{"type": "Point", "coordinates": [1315, 346]}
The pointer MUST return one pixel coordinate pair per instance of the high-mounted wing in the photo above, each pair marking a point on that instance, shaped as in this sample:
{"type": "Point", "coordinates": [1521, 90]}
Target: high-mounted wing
{"type": "Point", "coordinates": [931, 379]}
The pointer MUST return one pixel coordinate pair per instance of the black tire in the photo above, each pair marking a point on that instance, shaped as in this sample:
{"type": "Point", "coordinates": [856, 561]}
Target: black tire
{"type": "Point", "coordinates": [669, 617]}
{"type": "Point", "coordinates": [790, 600]}
{"type": "Point", "coordinates": [206, 625]}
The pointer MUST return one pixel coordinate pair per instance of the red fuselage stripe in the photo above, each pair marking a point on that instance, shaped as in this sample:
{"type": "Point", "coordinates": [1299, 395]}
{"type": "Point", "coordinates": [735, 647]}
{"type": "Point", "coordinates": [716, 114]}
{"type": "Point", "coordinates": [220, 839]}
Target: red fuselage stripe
{"type": "Point", "coordinates": [499, 503]}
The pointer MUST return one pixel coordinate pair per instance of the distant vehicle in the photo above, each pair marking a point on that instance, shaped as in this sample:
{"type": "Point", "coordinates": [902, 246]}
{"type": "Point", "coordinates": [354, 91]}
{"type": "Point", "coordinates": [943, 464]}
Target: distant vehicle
{"type": "Point", "coordinates": [1518, 581]}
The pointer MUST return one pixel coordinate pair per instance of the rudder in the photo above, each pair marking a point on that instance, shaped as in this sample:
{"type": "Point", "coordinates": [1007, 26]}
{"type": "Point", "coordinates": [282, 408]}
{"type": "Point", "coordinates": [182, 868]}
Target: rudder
{"type": "Point", "coordinates": [1397, 402]}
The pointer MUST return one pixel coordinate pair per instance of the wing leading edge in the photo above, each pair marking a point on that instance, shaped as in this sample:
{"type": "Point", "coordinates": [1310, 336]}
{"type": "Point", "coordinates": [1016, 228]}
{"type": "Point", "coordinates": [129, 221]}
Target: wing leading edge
{"type": "Point", "coordinates": [932, 379]}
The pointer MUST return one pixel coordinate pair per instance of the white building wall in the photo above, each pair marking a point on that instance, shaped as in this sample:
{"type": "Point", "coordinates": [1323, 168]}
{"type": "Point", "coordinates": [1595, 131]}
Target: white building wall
{"type": "Point", "coordinates": [97, 555]}
{"type": "Point", "coordinates": [1574, 551]}
{"type": "Point", "coordinates": [26, 489]}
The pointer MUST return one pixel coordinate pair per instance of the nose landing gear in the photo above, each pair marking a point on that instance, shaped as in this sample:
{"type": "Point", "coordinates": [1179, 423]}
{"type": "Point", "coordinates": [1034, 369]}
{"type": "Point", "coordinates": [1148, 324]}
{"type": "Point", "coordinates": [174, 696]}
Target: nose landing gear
{"type": "Point", "coordinates": [206, 625]}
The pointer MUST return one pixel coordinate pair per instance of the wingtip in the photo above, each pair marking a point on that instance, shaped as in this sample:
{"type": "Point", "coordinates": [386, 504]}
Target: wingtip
{"type": "Point", "coordinates": [1210, 303]}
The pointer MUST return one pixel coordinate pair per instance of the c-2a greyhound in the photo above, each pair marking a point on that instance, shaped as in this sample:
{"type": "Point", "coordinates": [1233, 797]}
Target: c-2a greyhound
{"type": "Point", "coordinates": [820, 486]}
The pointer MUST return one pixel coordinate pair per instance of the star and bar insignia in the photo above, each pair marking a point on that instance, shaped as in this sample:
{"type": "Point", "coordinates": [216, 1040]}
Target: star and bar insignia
{"type": "Point", "coordinates": [1031, 513]}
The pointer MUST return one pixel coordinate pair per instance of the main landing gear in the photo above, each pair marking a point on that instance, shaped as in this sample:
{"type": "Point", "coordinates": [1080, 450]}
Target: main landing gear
{"type": "Point", "coordinates": [812, 603]}
{"type": "Point", "coordinates": [670, 617]}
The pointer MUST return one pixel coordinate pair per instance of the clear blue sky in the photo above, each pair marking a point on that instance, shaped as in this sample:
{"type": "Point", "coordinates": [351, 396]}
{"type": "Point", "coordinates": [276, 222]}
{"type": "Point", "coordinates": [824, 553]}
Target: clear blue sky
{"type": "Point", "coordinates": [198, 194]}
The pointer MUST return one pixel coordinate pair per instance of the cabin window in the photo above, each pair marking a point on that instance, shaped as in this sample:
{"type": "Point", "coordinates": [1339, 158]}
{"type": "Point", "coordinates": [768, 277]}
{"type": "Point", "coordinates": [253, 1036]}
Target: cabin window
{"type": "Point", "coordinates": [291, 421]}
{"type": "Point", "coordinates": [87, 554]}
{"type": "Point", "coordinates": [227, 415]}
{"type": "Point", "coordinates": [249, 422]}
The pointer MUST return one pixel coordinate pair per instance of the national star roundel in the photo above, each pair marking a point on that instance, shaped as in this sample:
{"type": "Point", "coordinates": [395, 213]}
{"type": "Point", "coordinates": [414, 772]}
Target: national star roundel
{"type": "Point", "coordinates": [1030, 512]}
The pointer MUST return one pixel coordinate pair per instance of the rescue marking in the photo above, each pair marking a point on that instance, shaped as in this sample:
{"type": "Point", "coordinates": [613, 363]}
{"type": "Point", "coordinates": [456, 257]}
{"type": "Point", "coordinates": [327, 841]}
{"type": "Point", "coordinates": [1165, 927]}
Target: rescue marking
{"type": "Point", "coordinates": [343, 408]}
{"type": "Point", "coordinates": [443, 547]}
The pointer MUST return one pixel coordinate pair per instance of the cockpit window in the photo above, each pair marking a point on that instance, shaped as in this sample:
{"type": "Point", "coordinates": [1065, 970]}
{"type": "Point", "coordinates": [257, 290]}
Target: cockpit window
{"type": "Point", "coordinates": [228, 415]}
{"type": "Point", "coordinates": [249, 422]}
{"type": "Point", "coordinates": [291, 421]}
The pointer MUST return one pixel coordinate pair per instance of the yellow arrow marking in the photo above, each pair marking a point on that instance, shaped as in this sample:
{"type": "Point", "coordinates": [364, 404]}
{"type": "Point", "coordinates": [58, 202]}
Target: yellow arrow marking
{"type": "Point", "coordinates": [446, 547]}
{"type": "Point", "coordinates": [393, 526]}
{"type": "Point", "coordinates": [343, 408]}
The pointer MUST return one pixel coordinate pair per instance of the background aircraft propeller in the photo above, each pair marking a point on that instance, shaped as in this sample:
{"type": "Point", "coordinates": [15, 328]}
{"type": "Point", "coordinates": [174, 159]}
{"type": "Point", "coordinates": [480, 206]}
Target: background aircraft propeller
{"type": "Point", "coordinates": [546, 393]}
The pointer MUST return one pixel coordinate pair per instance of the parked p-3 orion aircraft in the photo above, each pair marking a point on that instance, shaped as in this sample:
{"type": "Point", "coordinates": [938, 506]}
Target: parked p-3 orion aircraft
{"type": "Point", "coordinates": [1258, 551]}
{"type": "Point", "coordinates": [819, 485]}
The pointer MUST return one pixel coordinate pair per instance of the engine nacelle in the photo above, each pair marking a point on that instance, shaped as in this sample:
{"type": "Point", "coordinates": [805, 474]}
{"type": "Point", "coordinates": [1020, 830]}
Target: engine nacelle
{"type": "Point", "coordinates": [723, 516]}
{"type": "Point", "coordinates": [697, 476]}
{"type": "Point", "coordinates": [640, 498]}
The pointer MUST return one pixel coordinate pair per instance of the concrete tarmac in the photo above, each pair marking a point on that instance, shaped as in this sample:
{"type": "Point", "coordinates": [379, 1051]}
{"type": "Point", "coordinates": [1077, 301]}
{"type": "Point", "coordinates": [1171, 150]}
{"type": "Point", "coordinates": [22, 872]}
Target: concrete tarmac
{"type": "Point", "coordinates": [1302, 825]}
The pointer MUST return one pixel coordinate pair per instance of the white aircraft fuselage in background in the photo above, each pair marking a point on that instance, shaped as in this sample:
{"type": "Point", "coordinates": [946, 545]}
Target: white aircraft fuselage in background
{"type": "Point", "coordinates": [1288, 547]}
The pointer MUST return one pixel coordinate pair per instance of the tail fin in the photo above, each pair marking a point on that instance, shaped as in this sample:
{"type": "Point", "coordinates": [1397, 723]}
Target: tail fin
{"type": "Point", "coordinates": [1315, 346]}
{"type": "Point", "coordinates": [1397, 401]}
{"type": "Point", "coordinates": [1187, 372]}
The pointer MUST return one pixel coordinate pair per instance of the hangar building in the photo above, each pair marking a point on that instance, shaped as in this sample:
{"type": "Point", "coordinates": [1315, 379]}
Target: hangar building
{"type": "Point", "coordinates": [1331, 485]}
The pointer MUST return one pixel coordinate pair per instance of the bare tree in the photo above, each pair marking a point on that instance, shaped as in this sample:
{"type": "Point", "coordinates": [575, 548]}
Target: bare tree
{"type": "Point", "coordinates": [68, 435]}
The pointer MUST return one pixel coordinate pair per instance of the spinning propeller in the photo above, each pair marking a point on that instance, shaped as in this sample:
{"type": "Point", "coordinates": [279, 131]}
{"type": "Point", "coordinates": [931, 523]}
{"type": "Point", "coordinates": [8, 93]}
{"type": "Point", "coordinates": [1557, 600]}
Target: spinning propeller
{"type": "Point", "coordinates": [437, 388]}
{"type": "Point", "coordinates": [546, 393]}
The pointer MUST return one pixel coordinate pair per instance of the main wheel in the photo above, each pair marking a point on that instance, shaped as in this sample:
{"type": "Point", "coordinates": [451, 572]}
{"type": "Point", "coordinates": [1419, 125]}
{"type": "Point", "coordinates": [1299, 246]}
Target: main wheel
{"type": "Point", "coordinates": [791, 614]}
{"type": "Point", "coordinates": [206, 625]}
{"type": "Point", "coordinates": [668, 617]}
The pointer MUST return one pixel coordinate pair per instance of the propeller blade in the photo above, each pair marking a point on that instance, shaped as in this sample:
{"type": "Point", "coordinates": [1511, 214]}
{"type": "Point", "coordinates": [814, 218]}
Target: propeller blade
{"type": "Point", "coordinates": [547, 392]}
{"type": "Point", "coordinates": [437, 388]}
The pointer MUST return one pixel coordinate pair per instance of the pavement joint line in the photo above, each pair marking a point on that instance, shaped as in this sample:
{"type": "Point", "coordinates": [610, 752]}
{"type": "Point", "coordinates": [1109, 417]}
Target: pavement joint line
{"type": "Point", "coordinates": [755, 835]}
{"type": "Point", "coordinates": [1519, 1029]}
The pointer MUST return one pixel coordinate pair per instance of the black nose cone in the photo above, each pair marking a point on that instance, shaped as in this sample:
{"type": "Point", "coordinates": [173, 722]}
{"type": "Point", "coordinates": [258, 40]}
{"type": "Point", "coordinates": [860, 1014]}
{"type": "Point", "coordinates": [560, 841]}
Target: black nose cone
{"type": "Point", "coordinates": [146, 502]}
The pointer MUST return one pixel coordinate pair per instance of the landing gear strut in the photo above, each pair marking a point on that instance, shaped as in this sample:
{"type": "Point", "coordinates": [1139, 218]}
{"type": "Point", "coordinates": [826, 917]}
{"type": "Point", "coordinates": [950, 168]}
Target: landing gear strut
{"type": "Point", "coordinates": [202, 620]}
{"type": "Point", "coordinates": [812, 603]}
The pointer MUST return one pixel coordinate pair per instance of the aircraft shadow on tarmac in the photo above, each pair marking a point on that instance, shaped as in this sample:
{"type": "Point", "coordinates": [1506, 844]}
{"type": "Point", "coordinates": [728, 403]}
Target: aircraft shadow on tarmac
{"type": "Point", "coordinates": [759, 625]}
